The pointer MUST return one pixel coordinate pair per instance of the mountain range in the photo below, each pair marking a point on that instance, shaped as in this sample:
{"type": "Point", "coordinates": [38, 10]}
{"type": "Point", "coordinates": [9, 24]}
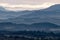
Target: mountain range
{"type": "Point", "coordinates": [51, 14]}
{"type": "Point", "coordinates": [46, 26]}
{"type": "Point", "coordinates": [30, 20]}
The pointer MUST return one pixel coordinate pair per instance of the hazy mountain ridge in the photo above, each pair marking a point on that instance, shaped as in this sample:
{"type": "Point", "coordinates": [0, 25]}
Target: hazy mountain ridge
{"type": "Point", "coordinates": [36, 26]}
{"type": "Point", "coordinates": [55, 7]}
{"type": "Point", "coordinates": [51, 14]}
{"type": "Point", "coordinates": [36, 16]}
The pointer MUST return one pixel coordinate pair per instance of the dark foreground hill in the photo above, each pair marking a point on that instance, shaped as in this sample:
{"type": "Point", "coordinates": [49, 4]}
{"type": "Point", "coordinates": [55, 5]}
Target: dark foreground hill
{"type": "Point", "coordinates": [32, 27]}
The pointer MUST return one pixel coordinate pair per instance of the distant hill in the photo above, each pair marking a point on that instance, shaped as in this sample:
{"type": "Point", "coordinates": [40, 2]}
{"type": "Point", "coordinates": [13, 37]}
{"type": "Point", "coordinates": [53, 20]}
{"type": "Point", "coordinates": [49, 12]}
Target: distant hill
{"type": "Point", "coordinates": [55, 7]}
{"type": "Point", "coordinates": [36, 26]}
{"type": "Point", "coordinates": [51, 14]}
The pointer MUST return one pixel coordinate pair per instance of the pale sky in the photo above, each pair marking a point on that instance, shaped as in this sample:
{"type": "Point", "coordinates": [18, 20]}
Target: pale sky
{"type": "Point", "coordinates": [27, 4]}
{"type": "Point", "coordinates": [28, 1]}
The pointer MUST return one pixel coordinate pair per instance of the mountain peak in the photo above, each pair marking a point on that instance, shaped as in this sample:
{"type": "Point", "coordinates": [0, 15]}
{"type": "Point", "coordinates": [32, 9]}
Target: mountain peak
{"type": "Point", "coordinates": [55, 7]}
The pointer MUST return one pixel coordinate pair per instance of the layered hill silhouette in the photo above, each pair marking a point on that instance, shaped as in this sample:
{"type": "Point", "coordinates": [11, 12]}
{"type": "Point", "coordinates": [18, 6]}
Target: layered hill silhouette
{"type": "Point", "coordinates": [51, 14]}
{"type": "Point", "coordinates": [30, 20]}
{"type": "Point", "coordinates": [35, 26]}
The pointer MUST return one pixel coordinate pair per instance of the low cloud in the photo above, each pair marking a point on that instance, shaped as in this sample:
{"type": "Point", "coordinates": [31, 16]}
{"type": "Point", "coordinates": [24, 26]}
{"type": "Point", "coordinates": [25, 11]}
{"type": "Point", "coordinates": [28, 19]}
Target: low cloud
{"type": "Point", "coordinates": [25, 6]}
